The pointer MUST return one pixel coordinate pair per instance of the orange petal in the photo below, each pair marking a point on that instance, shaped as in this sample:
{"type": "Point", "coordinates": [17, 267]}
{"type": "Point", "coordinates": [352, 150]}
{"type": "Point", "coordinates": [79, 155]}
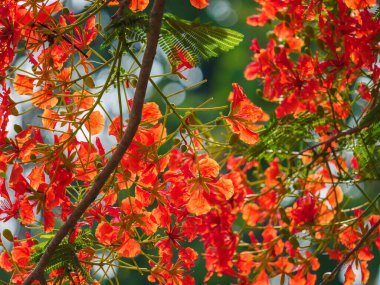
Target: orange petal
{"type": "Point", "coordinates": [138, 5]}
{"type": "Point", "coordinates": [225, 187]}
{"type": "Point", "coordinates": [359, 4]}
{"type": "Point", "coordinates": [129, 248]}
{"type": "Point", "coordinates": [95, 123]}
{"type": "Point", "coordinates": [36, 176]}
{"type": "Point", "coordinates": [105, 233]}
{"type": "Point", "coordinates": [48, 221]}
{"type": "Point", "coordinates": [335, 196]}
{"type": "Point", "coordinates": [5, 262]}
{"type": "Point", "coordinates": [49, 118]}
{"type": "Point", "coordinates": [23, 84]}
{"type": "Point", "coordinates": [151, 113]}
{"type": "Point", "coordinates": [208, 167]}
{"type": "Point", "coordinates": [365, 272]}
{"type": "Point", "coordinates": [44, 99]}
{"type": "Point", "coordinates": [251, 214]}
{"type": "Point", "coordinates": [349, 276]}
{"type": "Point", "coordinates": [83, 100]}
{"type": "Point", "coordinates": [198, 204]}
{"type": "Point", "coordinates": [20, 255]}
{"type": "Point", "coordinates": [113, 3]}
{"type": "Point", "coordinates": [200, 4]}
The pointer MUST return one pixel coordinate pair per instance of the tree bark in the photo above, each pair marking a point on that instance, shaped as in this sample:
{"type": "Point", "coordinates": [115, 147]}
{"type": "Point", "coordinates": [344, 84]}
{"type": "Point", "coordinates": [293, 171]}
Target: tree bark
{"type": "Point", "coordinates": [133, 124]}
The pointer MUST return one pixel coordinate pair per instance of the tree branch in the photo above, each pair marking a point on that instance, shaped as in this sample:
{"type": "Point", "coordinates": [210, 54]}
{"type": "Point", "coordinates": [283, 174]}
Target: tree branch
{"type": "Point", "coordinates": [133, 124]}
{"type": "Point", "coordinates": [330, 140]}
{"type": "Point", "coordinates": [347, 257]}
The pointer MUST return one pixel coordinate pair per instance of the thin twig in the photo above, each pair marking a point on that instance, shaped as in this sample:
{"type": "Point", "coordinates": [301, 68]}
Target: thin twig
{"type": "Point", "coordinates": [66, 39]}
{"type": "Point", "coordinates": [347, 257]}
{"type": "Point", "coordinates": [120, 11]}
{"type": "Point", "coordinates": [133, 124]}
{"type": "Point", "coordinates": [327, 143]}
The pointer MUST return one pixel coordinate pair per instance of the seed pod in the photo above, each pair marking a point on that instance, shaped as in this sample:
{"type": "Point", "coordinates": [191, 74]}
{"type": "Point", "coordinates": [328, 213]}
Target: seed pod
{"type": "Point", "coordinates": [294, 242]}
{"type": "Point", "coordinates": [17, 128]}
{"type": "Point", "coordinates": [8, 235]}
{"type": "Point", "coordinates": [234, 139]}
{"type": "Point", "coordinates": [184, 148]}
{"type": "Point", "coordinates": [309, 31]}
{"type": "Point", "coordinates": [284, 217]}
{"type": "Point", "coordinates": [320, 44]}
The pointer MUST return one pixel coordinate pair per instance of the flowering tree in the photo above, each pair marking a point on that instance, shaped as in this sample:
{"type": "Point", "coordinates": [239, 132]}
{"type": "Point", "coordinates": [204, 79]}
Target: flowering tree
{"type": "Point", "coordinates": [265, 194]}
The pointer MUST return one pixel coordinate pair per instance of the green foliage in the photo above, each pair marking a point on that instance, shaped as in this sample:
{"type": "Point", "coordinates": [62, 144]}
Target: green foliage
{"type": "Point", "coordinates": [285, 134]}
{"type": "Point", "coordinates": [367, 151]}
{"type": "Point", "coordinates": [194, 40]}
{"type": "Point", "coordinates": [376, 15]}
{"type": "Point", "coordinates": [65, 255]}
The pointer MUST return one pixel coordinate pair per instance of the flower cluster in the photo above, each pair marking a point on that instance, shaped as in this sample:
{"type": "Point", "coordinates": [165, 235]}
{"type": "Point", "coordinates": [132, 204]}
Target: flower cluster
{"type": "Point", "coordinates": [257, 200]}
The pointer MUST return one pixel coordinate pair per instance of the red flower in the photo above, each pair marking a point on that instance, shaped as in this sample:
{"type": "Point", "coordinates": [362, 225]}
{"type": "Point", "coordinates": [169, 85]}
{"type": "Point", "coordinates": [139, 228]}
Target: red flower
{"type": "Point", "coordinates": [9, 34]}
{"type": "Point", "coordinates": [305, 211]}
{"type": "Point", "coordinates": [244, 115]}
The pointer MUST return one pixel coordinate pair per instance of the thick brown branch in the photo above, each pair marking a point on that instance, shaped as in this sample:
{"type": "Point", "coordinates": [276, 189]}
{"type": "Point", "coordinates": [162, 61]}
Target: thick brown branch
{"type": "Point", "coordinates": [133, 124]}
{"type": "Point", "coordinates": [347, 257]}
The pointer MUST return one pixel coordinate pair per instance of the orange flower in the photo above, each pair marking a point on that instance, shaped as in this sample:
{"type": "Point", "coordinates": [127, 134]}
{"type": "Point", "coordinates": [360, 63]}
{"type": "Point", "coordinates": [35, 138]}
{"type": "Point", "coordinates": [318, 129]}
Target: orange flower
{"type": "Point", "coordinates": [245, 263]}
{"type": "Point", "coordinates": [244, 115]}
{"type": "Point", "coordinates": [130, 248]}
{"type": "Point", "coordinates": [21, 254]}
{"type": "Point", "coordinates": [105, 233]}
{"type": "Point", "coordinates": [95, 123]}
{"type": "Point", "coordinates": [204, 189]}
{"type": "Point", "coordinates": [5, 262]}
{"type": "Point", "coordinates": [26, 215]}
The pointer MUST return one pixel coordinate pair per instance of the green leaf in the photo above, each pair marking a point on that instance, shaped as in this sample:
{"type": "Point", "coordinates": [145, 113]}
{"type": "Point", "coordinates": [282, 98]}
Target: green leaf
{"type": "Point", "coordinates": [65, 256]}
{"type": "Point", "coordinates": [194, 40]}
{"type": "Point", "coordinates": [284, 135]}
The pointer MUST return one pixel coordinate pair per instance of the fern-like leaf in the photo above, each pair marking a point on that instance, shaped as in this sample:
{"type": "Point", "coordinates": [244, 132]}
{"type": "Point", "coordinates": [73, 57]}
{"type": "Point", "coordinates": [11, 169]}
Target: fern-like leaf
{"type": "Point", "coordinates": [65, 256]}
{"type": "Point", "coordinates": [376, 15]}
{"type": "Point", "coordinates": [284, 135]}
{"type": "Point", "coordinates": [193, 40]}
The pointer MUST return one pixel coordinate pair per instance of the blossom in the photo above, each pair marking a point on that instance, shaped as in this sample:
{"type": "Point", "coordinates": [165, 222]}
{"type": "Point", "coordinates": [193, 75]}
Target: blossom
{"type": "Point", "coordinates": [244, 115]}
{"type": "Point", "coordinates": [305, 210]}
{"type": "Point", "coordinates": [21, 255]}
{"type": "Point", "coordinates": [105, 233]}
